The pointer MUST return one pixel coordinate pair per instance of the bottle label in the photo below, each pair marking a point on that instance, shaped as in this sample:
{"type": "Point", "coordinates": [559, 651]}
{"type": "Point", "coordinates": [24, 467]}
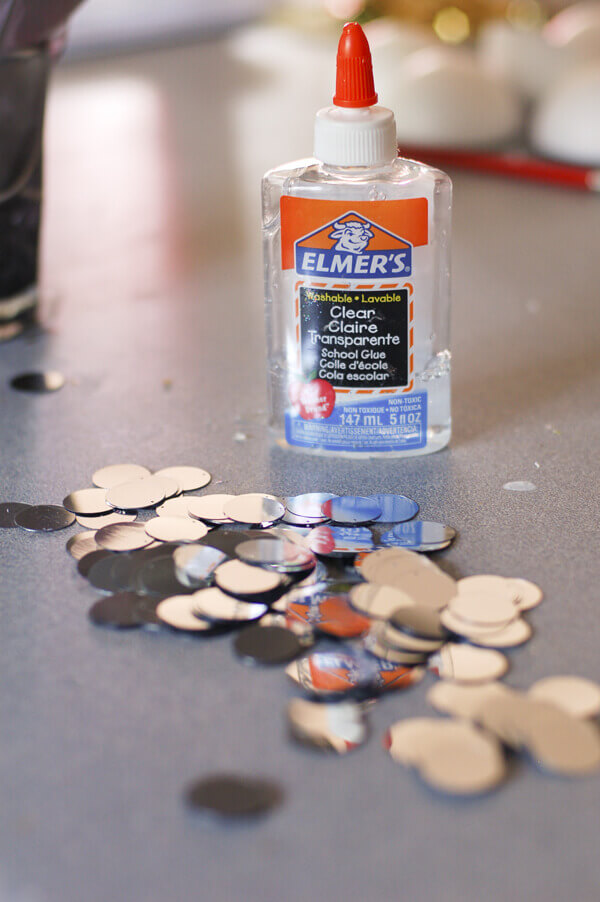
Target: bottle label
{"type": "Point", "coordinates": [351, 360]}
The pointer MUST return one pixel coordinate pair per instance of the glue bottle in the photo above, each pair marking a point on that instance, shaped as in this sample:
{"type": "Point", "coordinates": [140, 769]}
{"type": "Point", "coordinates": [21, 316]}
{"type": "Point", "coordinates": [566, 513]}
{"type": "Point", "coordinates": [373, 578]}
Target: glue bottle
{"type": "Point", "coordinates": [357, 283]}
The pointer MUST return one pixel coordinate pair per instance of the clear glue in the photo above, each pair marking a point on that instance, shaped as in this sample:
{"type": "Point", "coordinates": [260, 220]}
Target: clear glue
{"type": "Point", "coordinates": [357, 283]}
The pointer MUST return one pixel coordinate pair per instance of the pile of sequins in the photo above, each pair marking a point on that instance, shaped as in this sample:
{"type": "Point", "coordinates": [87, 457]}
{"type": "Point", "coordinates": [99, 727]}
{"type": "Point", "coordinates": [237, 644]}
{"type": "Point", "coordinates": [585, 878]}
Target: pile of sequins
{"type": "Point", "coordinates": [339, 589]}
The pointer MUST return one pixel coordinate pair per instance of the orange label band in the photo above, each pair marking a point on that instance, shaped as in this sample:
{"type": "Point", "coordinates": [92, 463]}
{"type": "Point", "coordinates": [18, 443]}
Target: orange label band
{"type": "Point", "coordinates": [301, 216]}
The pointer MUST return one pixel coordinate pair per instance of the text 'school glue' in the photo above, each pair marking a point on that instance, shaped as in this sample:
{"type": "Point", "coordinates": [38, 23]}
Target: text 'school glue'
{"type": "Point", "coordinates": [357, 283]}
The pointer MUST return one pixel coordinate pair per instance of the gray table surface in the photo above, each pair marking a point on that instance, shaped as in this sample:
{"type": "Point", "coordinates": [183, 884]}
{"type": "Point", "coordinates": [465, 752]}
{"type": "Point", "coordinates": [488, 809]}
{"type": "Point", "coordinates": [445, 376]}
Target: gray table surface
{"type": "Point", "coordinates": [165, 364]}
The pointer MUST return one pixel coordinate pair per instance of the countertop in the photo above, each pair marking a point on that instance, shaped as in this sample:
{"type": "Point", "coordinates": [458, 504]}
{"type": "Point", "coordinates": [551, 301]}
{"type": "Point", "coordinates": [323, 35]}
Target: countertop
{"type": "Point", "coordinates": [152, 309]}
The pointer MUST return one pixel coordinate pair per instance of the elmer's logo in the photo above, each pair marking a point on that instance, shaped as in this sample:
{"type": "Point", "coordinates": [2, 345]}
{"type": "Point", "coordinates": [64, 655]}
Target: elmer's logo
{"type": "Point", "coordinates": [353, 247]}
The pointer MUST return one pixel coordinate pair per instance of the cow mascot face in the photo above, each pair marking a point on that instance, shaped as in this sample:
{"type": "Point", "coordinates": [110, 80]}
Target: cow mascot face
{"type": "Point", "coordinates": [352, 236]}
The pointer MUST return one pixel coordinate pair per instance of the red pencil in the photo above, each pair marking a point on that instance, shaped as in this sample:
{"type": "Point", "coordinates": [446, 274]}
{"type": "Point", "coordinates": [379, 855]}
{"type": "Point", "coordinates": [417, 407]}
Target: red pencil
{"type": "Point", "coordinates": [509, 164]}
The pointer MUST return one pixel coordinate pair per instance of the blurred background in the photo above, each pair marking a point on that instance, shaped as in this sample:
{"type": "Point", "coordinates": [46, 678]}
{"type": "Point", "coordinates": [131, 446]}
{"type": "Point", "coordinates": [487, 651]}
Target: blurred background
{"type": "Point", "coordinates": [466, 74]}
{"type": "Point", "coordinates": [175, 110]}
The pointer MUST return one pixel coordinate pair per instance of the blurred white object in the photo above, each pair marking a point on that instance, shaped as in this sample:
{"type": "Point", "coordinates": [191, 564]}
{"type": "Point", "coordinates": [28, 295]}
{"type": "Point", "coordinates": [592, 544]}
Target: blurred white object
{"type": "Point", "coordinates": [441, 98]}
{"type": "Point", "coordinates": [289, 74]}
{"type": "Point", "coordinates": [101, 25]}
{"type": "Point", "coordinates": [576, 32]}
{"type": "Point", "coordinates": [279, 48]}
{"type": "Point", "coordinates": [522, 57]}
{"type": "Point", "coordinates": [566, 124]}
{"type": "Point", "coordinates": [391, 42]}
{"type": "Point", "coordinates": [296, 69]}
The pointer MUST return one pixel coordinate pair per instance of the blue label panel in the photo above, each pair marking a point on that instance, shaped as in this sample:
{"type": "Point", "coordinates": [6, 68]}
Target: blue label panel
{"type": "Point", "coordinates": [410, 535]}
{"type": "Point", "coordinates": [385, 424]}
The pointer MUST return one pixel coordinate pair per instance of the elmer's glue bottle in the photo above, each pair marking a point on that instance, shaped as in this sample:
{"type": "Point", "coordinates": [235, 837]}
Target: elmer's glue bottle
{"type": "Point", "coordinates": [357, 283]}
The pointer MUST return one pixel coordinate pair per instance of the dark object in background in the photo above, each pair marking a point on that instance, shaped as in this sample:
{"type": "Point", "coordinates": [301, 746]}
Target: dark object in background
{"type": "Point", "coordinates": [30, 37]}
{"type": "Point", "coordinates": [35, 383]}
{"type": "Point", "coordinates": [23, 82]}
{"type": "Point", "coordinates": [30, 23]}
{"type": "Point", "coordinates": [233, 796]}
{"type": "Point", "coordinates": [44, 518]}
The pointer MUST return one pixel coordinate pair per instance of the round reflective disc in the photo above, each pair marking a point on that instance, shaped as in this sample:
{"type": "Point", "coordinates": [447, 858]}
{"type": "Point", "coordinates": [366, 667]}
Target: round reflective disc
{"type": "Point", "coordinates": [392, 676]}
{"type": "Point", "coordinates": [406, 739]}
{"type": "Point", "coordinates": [465, 664]}
{"type": "Point", "coordinates": [395, 508]}
{"type": "Point", "coordinates": [81, 544]}
{"type": "Point", "coordinates": [194, 564]}
{"type": "Point", "coordinates": [188, 478]}
{"type": "Point", "coordinates": [419, 535]}
{"type": "Point", "coordinates": [209, 508]}
{"type": "Point", "coordinates": [254, 509]}
{"type": "Point", "coordinates": [464, 628]}
{"type": "Point", "coordinates": [417, 620]}
{"type": "Point", "coordinates": [351, 510]}
{"type": "Point", "coordinates": [492, 611]}
{"type": "Point", "coordinates": [378, 601]}
{"type": "Point", "coordinates": [101, 575]}
{"type": "Point", "coordinates": [88, 560]}
{"type": "Point", "coordinates": [44, 518]}
{"type": "Point", "coordinates": [243, 580]}
{"type": "Point", "coordinates": [465, 701]}
{"type": "Point", "coordinates": [276, 553]}
{"type": "Point", "coordinates": [158, 576]}
{"type": "Point", "coordinates": [115, 474]}
{"type": "Point", "coordinates": [119, 611]}
{"type": "Point", "coordinates": [519, 486]}
{"type": "Point", "coordinates": [339, 541]}
{"type": "Point", "coordinates": [485, 586]}
{"type": "Point", "coordinates": [156, 549]}
{"type": "Point", "coordinates": [394, 638]}
{"type": "Point", "coordinates": [267, 645]}
{"type": "Point", "coordinates": [462, 760]}
{"type": "Point", "coordinates": [147, 612]}
{"type": "Point", "coordinates": [296, 536]}
{"type": "Point", "coordinates": [226, 539]}
{"type": "Point", "coordinates": [169, 485]}
{"type": "Point", "coordinates": [393, 655]}
{"type": "Point", "coordinates": [377, 566]}
{"type": "Point", "coordinates": [315, 576]}
{"type": "Point", "coordinates": [308, 505]}
{"type": "Point", "coordinates": [559, 743]}
{"type": "Point", "coordinates": [87, 502]}
{"type": "Point", "coordinates": [123, 537]}
{"type": "Point", "coordinates": [101, 520]}
{"type": "Point", "coordinates": [38, 383]}
{"type": "Point", "coordinates": [298, 520]}
{"type": "Point", "coordinates": [136, 495]}
{"type": "Point", "coordinates": [335, 728]}
{"type": "Point", "coordinates": [335, 673]}
{"type": "Point", "coordinates": [427, 586]}
{"type": "Point", "coordinates": [516, 633]}
{"type": "Point", "coordinates": [174, 507]}
{"type": "Point", "coordinates": [302, 630]}
{"type": "Point", "coordinates": [178, 612]}
{"type": "Point", "coordinates": [175, 529]}
{"type": "Point", "coordinates": [576, 695]}
{"type": "Point", "coordinates": [232, 796]}
{"type": "Point", "coordinates": [526, 595]}
{"type": "Point", "coordinates": [123, 571]}
{"type": "Point", "coordinates": [328, 612]}
{"type": "Point", "coordinates": [216, 605]}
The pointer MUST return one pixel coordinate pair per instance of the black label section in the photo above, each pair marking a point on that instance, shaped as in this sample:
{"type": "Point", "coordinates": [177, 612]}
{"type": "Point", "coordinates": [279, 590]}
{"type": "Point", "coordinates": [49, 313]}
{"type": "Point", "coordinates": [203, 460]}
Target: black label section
{"type": "Point", "coordinates": [355, 339]}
